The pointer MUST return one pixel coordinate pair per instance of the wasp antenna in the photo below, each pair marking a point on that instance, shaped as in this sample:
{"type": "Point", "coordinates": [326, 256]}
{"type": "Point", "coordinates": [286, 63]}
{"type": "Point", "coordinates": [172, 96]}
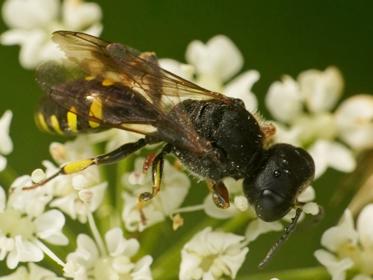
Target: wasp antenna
{"type": "Point", "coordinates": [287, 231]}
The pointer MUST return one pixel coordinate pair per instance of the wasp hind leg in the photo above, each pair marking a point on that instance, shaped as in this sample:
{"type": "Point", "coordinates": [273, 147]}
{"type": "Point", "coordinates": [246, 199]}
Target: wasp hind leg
{"type": "Point", "coordinates": [80, 165]}
{"type": "Point", "coordinates": [157, 173]}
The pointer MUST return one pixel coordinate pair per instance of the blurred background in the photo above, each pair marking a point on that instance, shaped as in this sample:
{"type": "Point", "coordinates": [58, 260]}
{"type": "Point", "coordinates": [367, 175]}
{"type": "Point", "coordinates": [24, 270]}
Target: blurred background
{"type": "Point", "coordinates": [275, 38]}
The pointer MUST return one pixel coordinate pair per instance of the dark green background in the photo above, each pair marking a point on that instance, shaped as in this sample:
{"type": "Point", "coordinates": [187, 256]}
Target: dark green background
{"type": "Point", "coordinates": [275, 37]}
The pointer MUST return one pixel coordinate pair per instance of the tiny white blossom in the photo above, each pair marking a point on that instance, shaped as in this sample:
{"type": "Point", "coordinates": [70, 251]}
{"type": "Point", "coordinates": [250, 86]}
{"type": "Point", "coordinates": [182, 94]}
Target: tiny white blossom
{"type": "Point", "coordinates": [33, 272]}
{"type": "Point", "coordinates": [31, 23]}
{"type": "Point", "coordinates": [87, 262]}
{"type": "Point", "coordinates": [213, 65]}
{"type": "Point", "coordinates": [336, 268]}
{"type": "Point", "coordinates": [6, 144]}
{"type": "Point", "coordinates": [77, 194]}
{"type": "Point", "coordinates": [174, 188]}
{"type": "Point", "coordinates": [259, 227]}
{"type": "Point", "coordinates": [354, 118]}
{"type": "Point", "coordinates": [212, 255]}
{"type": "Point", "coordinates": [304, 107]}
{"type": "Point", "coordinates": [350, 246]}
{"type": "Point", "coordinates": [20, 233]}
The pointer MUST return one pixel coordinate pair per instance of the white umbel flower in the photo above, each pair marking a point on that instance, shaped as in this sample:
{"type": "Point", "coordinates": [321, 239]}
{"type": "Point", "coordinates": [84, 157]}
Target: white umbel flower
{"type": "Point", "coordinates": [21, 234]}
{"type": "Point", "coordinates": [6, 144]}
{"type": "Point", "coordinates": [32, 272]}
{"type": "Point", "coordinates": [31, 23]}
{"type": "Point", "coordinates": [354, 119]}
{"type": "Point", "coordinates": [303, 108]}
{"type": "Point", "coordinates": [175, 187]}
{"type": "Point", "coordinates": [89, 262]}
{"type": "Point", "coordinates": [212, 255]}
{"type": "Point", "coordinates": [349, 246]}
{"type": "Point", "coordinates": [79, 194]}
{"type": "Point", "coordinates": [213, 65]}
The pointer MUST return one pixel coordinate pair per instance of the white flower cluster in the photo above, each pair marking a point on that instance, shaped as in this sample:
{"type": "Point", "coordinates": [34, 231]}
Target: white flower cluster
{"type": "Point", "coordinates": [349, 247]}
{"type": "Point", "coordinates": [307, 115]}
{"type": "Point", "coordinates": [33, 21]}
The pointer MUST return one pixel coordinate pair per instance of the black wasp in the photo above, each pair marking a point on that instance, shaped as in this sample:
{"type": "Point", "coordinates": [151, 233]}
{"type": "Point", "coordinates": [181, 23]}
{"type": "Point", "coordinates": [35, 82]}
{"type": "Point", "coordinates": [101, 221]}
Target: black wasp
{"type": "Point", "coordinates": [106, 85]}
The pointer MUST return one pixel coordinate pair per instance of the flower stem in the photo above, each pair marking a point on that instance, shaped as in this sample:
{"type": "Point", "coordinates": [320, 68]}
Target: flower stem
{"type": "Point", "coordinates": [96, 234]}
{"type": "Point", "coordinates": [193, 208]}
{"type": "Point", "coordinates": [49, 253]}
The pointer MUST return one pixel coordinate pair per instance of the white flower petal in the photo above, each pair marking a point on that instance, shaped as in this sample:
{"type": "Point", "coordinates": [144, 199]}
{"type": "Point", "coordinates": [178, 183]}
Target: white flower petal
{"type": "Point", "coordinates": [362, 277]}
{"type": "Point", "coordinates": [40, 273]}
{"type": "Point", "coordinates": [240, 88]}
{"type": "Point", "coordinates": [77, 15]}
{"type": "Point", "coordinates": [67, 205]}
{"type": "Point", "coordinates": [50, 224]}
{"type": "Point", "coordinates": [311, 208]}
{"type": "Point", "coordinates": [86, 251]}
{"type": "Point", "coordinates": [365, 227]}
{"type": "Point", "coordinates": [142, 270]}
{"type": "Point", "coordinates": [342, 234]}
{"type": "Point", "coordinates": [259, 227]}
{"type": "Point", "coordinates": [118, 245]}
{"type": "Point", "coordinates": [354, 118]}
{"type": "Point", "coordinates": [218, 58]}
{"type": "Point", "coordinates": [337, 268]}
{"type": "Point", "coordinates": [321, 89]}
{"type": "Point", "coordinates": [29, 56]}
{"type": "Point", "coordinates": [307, 195]}
{"type": "Point", "coordinates": [3, 162]}
{"type": "Point", "coordinates": [24, 251]}
{"type": "Point", "coordinates": [223, 250]}
{"type": "Point", "coordinates": [327, 153]}
{"type": "Point", "coordinates": [28, 14]}
{"type": "Point", "coordinates": [185, 71]}
{"type": "Point", "coordinates": [6, 144]}
{"type": "Point", "coordinates": [284, 100]}
{"type": "Point", "coordinates": [13, 37]}
{"type": "Point", "coordinates": [98, 193]}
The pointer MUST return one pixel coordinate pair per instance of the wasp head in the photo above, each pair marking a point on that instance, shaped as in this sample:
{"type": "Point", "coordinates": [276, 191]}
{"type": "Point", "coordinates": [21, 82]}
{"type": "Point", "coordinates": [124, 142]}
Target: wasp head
{"type": "Point", "coordinates": [283, 174]}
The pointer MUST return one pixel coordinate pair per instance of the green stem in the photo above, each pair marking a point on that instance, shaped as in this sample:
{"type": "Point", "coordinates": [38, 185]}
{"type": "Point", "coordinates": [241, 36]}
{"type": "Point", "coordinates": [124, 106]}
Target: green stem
{"type": "Point", "coordinates": [309, 273]}
{"type": "Point", "coordinates": [122, 168]}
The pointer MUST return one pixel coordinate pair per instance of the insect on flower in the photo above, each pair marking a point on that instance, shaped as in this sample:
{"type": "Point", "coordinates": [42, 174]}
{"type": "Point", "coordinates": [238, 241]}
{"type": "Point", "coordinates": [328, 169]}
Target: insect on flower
{"type": "Point", "coordinates": [106, 85]}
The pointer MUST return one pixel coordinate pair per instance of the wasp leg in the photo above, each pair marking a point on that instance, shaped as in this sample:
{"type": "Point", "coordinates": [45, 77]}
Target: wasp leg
{"type": "Point", "coordinates": [79, 165]}
{"type": "Point", "coordinates": [157, 172]}
{"type": "Point", "coordinates": [220, 194]}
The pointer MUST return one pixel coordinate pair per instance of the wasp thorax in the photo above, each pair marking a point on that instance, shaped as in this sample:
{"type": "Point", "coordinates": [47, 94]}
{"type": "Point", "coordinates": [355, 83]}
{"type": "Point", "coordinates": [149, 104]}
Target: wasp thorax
{"type": "Point", "coordinates": [284, 173]}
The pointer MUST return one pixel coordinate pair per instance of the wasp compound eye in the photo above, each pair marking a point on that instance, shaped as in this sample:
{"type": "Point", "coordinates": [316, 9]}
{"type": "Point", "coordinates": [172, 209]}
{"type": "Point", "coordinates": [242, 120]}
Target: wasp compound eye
{"type": "Point", "coordinates": [283, 174]}
{"type": "Point", "coordinates": [271, 206]}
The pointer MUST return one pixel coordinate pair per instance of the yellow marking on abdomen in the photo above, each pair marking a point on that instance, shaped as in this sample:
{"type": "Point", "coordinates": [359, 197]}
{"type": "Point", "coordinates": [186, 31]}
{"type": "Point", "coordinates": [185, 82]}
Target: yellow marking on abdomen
{"type": "Point", "coordinates": [95, 111]}
{"type": "Point", "coordinates": [55, 124]}
{"type": "Point", "coordinates": [77, 166]}
{"type": "Point", "coordinates": [72, 120]}
{"type": "Point", "coordinates": [89, 78]}
{"type": "Point", "coordinates": [41, 122]}
{"type": "Point", "coordinates": [107, 82]}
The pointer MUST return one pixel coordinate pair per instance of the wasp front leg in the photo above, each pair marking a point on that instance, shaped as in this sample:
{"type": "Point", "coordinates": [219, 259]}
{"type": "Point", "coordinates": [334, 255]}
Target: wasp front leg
{"type": "Point", "coordinates": [220, 194]}
{"type": "Point", "coordinates": [80, 165]}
